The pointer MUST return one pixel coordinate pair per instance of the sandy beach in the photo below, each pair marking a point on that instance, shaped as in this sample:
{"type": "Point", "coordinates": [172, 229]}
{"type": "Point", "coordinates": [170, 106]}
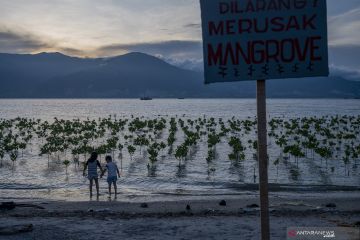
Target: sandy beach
{"type": "Point", "coordinates": [188, 218]}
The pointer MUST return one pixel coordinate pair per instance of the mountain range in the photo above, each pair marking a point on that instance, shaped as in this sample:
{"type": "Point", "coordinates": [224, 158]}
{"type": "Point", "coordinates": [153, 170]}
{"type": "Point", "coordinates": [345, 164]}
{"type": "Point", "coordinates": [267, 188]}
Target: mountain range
{"type": "Point", "coordinates": [133, 75]}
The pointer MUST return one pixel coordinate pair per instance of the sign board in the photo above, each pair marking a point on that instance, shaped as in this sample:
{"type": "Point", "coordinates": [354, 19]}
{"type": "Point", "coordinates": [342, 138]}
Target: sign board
{"type": "Point", "coordinates": [264, 39]}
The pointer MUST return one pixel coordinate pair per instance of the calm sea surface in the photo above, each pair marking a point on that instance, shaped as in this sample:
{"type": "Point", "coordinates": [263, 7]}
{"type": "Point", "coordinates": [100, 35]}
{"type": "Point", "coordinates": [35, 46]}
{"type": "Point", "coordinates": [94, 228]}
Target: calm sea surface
{"type": "Point", "coordinates": [68, 109]}
{"type": "Point", "coordinates": [33, 179]}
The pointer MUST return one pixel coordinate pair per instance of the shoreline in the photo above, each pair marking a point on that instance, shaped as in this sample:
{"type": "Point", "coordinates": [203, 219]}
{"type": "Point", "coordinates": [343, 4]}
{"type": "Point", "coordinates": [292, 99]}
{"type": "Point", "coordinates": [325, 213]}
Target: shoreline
{"type": "Point", "coordinates": [188, 218]}
{"type": "Point", "coordinates": [232, 191]}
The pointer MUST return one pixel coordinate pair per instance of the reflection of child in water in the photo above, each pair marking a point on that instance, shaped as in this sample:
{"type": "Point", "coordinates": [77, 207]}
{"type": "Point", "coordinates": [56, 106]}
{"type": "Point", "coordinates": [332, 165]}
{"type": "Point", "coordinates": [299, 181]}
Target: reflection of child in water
{"type": "Point", "coordinates": [113, 173]}
{"type": "Point", "coordinates": [92, 164]}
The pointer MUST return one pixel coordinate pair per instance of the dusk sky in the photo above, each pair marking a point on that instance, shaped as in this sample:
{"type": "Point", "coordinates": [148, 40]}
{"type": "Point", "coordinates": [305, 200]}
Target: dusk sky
{"type": "Point", "coordinates": [166, 28]}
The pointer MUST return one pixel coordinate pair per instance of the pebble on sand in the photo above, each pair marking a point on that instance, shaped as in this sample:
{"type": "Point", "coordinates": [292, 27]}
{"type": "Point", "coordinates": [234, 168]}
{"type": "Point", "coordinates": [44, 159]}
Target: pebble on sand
{"type": "Point", "coordinates": [144, 205]}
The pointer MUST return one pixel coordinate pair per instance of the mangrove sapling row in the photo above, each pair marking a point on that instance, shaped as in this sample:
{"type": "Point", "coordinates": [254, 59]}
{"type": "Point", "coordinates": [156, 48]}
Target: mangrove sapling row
{"type": "Point", "coordinates": [172, 132]}
{"type": "Point", "coordinates": [238, 149]}
{"type": "Point", "coordinates": [321, 136]}
{"type": "Point", "coordinates": [213, 139]}
{"type": "Point", "coordinates": [322, 140]}
{"type": "Point", "coordinates": [131, 150]}
{"type": "Point", "coordinates": [154, 150]}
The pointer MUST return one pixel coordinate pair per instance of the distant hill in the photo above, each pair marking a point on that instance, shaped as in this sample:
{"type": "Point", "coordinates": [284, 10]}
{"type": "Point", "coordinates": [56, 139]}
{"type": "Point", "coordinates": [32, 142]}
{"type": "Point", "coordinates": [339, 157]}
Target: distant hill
{"type": "Point", "coordinates": [54, 75]}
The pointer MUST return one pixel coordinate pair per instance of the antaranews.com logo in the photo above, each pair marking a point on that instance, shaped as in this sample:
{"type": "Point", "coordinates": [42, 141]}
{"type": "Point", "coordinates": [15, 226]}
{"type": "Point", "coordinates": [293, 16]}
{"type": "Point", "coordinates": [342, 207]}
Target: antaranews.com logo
{"type": "Point", "coordinates": [314, 233]}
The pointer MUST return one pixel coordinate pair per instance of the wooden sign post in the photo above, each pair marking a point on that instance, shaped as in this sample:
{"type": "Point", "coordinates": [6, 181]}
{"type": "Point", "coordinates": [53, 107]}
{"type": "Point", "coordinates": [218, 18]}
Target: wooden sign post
{"type": "Point", "coordinates": [262, 158]}
{"type": "Point", "coordinates": [263, 39]}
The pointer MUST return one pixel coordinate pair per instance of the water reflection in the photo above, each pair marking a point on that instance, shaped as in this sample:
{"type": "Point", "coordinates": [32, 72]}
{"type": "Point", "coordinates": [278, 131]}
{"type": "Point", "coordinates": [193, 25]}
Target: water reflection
{"type": "Point", "coordinates": [152, 170]}
{"type": "Point", "coordinates": [181, 171]}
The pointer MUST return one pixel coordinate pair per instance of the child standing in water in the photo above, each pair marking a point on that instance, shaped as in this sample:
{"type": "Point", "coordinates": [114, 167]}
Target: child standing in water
{"type": "Point", "coordinates": [113, 173]}
{"type": "Point", "coordinates": [92, 164]}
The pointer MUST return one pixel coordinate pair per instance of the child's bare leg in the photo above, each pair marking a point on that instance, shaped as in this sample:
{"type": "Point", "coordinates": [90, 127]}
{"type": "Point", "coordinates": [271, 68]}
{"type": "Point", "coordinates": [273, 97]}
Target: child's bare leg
{"type": "Point", "coordinates": [97, 186]}
{"type": "Point", "coordinates": [115, 188]}
{"type": "Point", "coordinates": [90, 187]}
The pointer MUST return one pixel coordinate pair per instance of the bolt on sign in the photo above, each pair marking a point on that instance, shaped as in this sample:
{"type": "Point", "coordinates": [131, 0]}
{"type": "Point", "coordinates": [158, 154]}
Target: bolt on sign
{"type": "Point", "coordinates": [264, 39]}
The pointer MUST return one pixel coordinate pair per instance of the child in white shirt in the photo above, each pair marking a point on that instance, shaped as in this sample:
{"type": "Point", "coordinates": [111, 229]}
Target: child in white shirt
{"type": "Point", "coordinates": [113, 172]}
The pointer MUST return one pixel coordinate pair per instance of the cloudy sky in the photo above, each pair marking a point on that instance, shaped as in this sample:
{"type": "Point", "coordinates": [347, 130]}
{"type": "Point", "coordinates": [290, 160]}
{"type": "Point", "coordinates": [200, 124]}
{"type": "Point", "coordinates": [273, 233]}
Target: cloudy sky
{"type": "Point", "coordinates": [166, 28]}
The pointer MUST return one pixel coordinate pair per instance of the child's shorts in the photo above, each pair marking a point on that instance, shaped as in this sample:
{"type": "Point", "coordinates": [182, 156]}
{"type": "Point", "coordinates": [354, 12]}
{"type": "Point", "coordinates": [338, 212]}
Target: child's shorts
{"type": "Point", "coordinates": [111, 179]}
{"type": "Point", "coordinates": [93, 177]}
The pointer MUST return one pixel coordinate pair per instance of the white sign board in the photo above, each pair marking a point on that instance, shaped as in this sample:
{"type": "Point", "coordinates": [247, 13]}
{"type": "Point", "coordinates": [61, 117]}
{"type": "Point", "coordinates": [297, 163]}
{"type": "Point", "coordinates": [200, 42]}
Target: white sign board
{"type": "Point", "coordinates": [264, 39]}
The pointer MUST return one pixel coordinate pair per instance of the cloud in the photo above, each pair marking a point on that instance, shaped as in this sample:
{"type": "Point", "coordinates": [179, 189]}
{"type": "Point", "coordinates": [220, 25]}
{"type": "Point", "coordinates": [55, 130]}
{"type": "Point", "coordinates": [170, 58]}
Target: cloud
{"type": "Point", "coordinates": [344, 29]}
{"type": "Point", "coordinates": [345, 56]}
{"type": "Point", "coordinates": [189, 64]}
{"type": "Point", "coordinates": [196, 26]}
{"type": "Point", "coordinates": [19, 41]}
{"type": "Point", "coordinates": [16, 42]}
{"type": "Point", "coordinates": [72, 51]}
{"type": "Point", "coordinates": [345, 72]}
{"type": "Point", "coordinates": [184, 49]}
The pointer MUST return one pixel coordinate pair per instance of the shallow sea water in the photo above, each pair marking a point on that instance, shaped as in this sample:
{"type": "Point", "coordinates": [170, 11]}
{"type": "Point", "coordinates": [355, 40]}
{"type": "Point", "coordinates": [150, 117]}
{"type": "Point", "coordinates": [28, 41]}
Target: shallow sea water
{"type": "Point", "coordinates": [33, 179]}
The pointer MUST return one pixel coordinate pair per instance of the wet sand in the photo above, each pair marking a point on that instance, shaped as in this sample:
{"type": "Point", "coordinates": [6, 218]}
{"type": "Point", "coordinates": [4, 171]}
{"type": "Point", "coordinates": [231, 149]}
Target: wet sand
{"type": "Point", "coordinates": [171, 219]}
